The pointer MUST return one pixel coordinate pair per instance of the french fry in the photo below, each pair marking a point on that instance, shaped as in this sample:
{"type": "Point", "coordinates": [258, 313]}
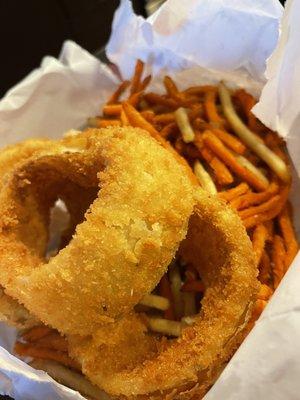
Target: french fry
{"type": "Point", "coordinates": [199, 90]}
{"type": "Point", "coordinates": [278, 255]}
{"type": "Point", "coordinates": [168, 130]}
{"type": "Point", "coordinates": [226, 156]}
{"type": "Point", "coordinates": [289, 237]}
{"type": "Point", "coordinates": [252, 168]}
{"type": "Point", "coordinates": [175, 282]}
{"type": "Point", "coordinates": [154, 301]}
{"type": "Point", "coordinates": [36, 333]}
{"type": "Point", "coordinates": [123, 118]}
{"type": "Point", "coordinates": [181, 117]}
{"type": "Point", "coordinates": [211, 109]}
{"type": "Point", "coordinates": [231, 142]}
{"type": "Point", "coordinates": [222, 173]}
{"type": "Point", "coordinates": [189, 304]}
{"type": "Point", "coordinates": [171, 88]}
{"type": "Point", "coordinates": [193, 286]}
{"type": "Point", "coordinates": [112, 110]}
{"type": "Point", "coordinates": [258, 241]}
{"type": "Point", "coordinates": [264, 268]}
{"type": "Point", "coordinates": [165, 118]}
{"type": "Point", "coordinates": [53, 341]}
{"type": "Point", "coordinates": [166, 291]}
{"type": "Point", "coordinates": [164, 326]}
{"type": "Point", "coordinates": [204, 178]}
{"type": "Point", "coordinates": [148, 115]}
{"type": "Point", "coordinates": [104, 123]}
{"type": "Point", "coordinates": [134, 99]}
{"type": "Point", "coordinates": [119, 91]}
{"type": "Point", "coordinates": [233, 193]}
{"type": "Point", "coordinates": [250, 139]}
{"type": "Point", "coordinates": [252, 199]}
{"type": "Point", "coordinates": [135, 119]}
{"type": "Point", "coordinates": [25, 350]}
{"type": "Point", "coordinates": [136, 79]}
{"type": "Point", "coordinates": [154, 98]}
{"type": "Point", "coordinates": [266, 206]}
{"type": "Point", "coordinates": [145, 82]}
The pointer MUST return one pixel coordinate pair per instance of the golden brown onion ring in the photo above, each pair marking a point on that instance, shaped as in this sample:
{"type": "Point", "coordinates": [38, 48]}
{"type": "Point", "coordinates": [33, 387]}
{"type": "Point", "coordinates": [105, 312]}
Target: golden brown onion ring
{"type": "Point", "coordinates": [128, 238]}
{"type": "Point", "coordinates": [127, 362]}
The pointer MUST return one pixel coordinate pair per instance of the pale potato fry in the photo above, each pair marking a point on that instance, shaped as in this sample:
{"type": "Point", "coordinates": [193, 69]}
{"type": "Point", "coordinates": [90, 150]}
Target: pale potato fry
{"type": "Point", "coordinates": [155, 301]}
{"type": "Point", "coordinates": [204, 178]}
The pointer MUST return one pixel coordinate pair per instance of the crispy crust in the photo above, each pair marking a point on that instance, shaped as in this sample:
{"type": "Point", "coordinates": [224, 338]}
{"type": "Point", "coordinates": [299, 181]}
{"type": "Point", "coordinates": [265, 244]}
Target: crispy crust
{"type": "Point", "coordinates": [217, 244]}
{"type": "Point", "coordinates": [128, 238]}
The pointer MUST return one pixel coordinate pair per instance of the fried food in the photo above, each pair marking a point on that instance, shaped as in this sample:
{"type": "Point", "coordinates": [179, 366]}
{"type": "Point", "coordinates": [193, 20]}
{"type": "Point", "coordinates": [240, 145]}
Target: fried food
{"type": "Point", "coordinates": [122, 248]}
{"type": "Point", "coordinates": [126, 361]}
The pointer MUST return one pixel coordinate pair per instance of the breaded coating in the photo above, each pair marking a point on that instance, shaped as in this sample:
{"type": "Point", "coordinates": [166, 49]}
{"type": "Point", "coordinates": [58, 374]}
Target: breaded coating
{"type": "Point", "coordinates": [119, 252]}
{"type": "Point", "coordinates": [218, 246]}
{"type": "Point", "coordinates": [14, 314]}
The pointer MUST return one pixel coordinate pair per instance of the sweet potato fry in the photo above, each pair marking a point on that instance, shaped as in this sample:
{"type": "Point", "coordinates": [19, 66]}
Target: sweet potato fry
{"type": "Point", "coordinates": [225, 155]}
{"type": "Point", "coordinates": [135, 119]}
{"type": "Point", "coordinates": [165, 118]}
{"type": "Point", "coordinates": [53, 341]}
{"type": "Point", "coordinates": [258, 241]}
{"type": "Point", "coordinates": [266, 206]}
{"type": "Point", "coordinates": [172, 89]}
{"type": "Point", "coordinates": [289, 236]}
{"type": "Point", "coordinates": [145, 82]}
{"type": "Point", "coordinates": [264, 268]}
{"type": "Point", "coordinates": [136, 79]}
{"type": "Point", "coordinates": [231, 142]}
{"type": "Point", "coordinates": [250, 139]}
{"type": "Point", "coordinates": [169, 129]}
{"type": "Point", "coordinates": [233, 193]}
{"type": "Point", "coordinates": [193, 286]}
{"type": "Point", "coordinates": [211, 109]}
{"type": "Point", "coordinates": [278, 256]}
{"type": "Point", "coordinates": [154, 98]}
{"type": "Point", "coordinates": [46, 354]}
{"type": "Point", "coordinates": [252, 199]}
{"type": "Point", "coordinates": [36, 333]}
{"type": "Point", "coordinates": [166, 291]}
{"type": "Point", "coordinates": [119, 91]}
{"type": "Point", "coordinates": [112, 110]}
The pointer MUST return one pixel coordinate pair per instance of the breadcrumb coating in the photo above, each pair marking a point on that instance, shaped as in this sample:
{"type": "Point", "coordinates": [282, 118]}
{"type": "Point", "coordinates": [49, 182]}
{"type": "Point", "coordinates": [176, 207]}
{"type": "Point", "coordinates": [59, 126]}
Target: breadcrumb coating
{"type": "Point", "coordinates": [119, 252]}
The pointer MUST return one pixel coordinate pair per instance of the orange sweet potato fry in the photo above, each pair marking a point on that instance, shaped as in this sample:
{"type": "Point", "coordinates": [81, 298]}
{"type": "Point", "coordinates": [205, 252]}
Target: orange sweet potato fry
{"type": "Point", "coordinates": [136, 79]}
{"type": "Point", "coordinates": [47, 354]}
{"type": "Point", "coordinates": [228, 158]}
{"type": "Point", "coordinates": [258, 241]}
{"type": "Point", "coordinates": [278, 256]}
{"type": "Point", "coordinates": [119, 91]}
{"type": "Point", "coordinates": [289, 237]}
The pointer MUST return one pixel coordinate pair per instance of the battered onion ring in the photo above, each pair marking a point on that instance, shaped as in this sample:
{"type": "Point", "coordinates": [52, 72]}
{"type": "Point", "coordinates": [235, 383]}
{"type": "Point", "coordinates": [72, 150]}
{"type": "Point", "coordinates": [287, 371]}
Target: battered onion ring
{"type": "Point", "coordinates": [127, 362]}
{"type": "Point", "coordinates": [119, 253]}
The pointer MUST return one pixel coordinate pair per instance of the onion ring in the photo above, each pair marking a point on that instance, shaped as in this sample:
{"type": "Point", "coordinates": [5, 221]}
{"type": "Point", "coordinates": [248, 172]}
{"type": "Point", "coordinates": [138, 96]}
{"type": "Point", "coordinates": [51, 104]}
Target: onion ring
{"type": "Point", "coordinates": [125, 361]}
{"type": "Point", "coordinates": [100, 279]}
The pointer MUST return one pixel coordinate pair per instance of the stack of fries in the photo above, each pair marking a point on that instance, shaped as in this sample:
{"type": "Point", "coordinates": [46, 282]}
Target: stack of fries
{"type": "Point", "coordinates": [234, 157]}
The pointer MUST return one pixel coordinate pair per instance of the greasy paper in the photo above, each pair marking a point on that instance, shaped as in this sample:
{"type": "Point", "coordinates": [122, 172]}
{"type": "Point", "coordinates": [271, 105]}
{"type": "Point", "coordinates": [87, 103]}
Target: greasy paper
{"type": "Point", "coordinates": [197, 41]}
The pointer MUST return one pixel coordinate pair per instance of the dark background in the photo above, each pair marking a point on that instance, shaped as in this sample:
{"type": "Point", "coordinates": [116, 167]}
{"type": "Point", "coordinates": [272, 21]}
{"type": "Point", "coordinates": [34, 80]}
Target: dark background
{"type": "Point", "coordinates": [32, 29]}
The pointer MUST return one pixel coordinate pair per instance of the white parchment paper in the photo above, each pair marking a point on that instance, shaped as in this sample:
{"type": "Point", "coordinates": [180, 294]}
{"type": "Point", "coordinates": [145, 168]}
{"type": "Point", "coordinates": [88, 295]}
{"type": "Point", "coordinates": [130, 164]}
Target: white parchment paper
{"type": "Point", "coordinates": [197, 41]}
